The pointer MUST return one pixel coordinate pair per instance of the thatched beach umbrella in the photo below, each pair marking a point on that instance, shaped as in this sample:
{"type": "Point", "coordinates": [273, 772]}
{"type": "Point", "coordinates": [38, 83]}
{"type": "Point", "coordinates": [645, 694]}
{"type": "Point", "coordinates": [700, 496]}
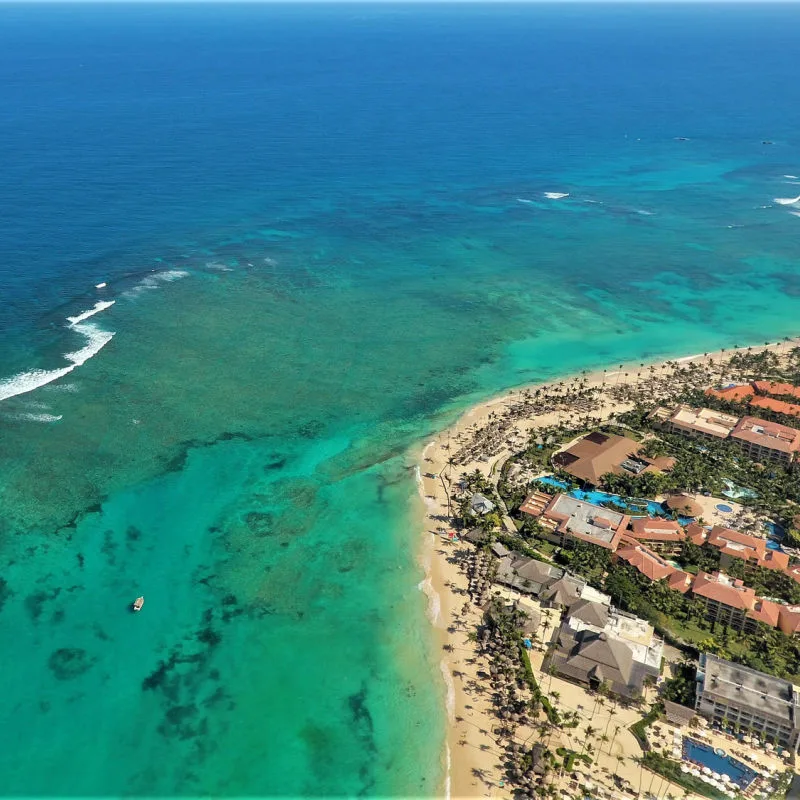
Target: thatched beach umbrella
{"type": "Point", "coordinates": [684, 504]}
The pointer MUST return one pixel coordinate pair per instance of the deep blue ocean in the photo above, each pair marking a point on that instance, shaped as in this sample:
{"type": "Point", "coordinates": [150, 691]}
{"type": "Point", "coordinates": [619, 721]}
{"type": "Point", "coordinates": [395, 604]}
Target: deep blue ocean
{"type": "Point", "coordinates": [325, 230]}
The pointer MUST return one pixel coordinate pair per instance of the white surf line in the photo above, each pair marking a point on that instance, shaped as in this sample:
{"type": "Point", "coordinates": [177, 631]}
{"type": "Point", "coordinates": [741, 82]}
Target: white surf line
{"type": "Point", "coordinates": [556, 195]}
{"type": "Point", "coordinates": [788, 201]}
{"type": "Point", "coordinates": [101, 305]}
{"type": "Point", "coordinates": [24, 382]}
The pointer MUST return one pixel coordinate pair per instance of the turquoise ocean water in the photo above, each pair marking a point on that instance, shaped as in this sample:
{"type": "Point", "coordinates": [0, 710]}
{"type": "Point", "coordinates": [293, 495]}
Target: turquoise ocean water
{"type": "Point", "coordinates": [325, 231]}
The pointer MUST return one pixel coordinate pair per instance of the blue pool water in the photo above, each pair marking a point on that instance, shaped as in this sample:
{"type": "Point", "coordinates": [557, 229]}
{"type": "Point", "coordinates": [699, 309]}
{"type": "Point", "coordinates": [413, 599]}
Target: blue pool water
{"type": "Point", "coordinates": [651, 507]}
{"type": "Point", "coordinates": [724, 508]}
{"type": "Point", "coordinates": [705, 756]}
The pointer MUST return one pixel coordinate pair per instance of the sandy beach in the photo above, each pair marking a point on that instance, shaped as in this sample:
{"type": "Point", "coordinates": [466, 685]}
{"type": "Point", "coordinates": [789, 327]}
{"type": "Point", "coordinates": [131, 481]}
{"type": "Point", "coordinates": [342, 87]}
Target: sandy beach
{"type": "Point", "coordinates": [473, 756]}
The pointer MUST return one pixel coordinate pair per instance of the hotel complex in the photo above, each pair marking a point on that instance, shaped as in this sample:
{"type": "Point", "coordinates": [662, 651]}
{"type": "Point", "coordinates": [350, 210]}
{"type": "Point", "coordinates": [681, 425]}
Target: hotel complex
{"type": "Point", "coordinates": [730, 694]}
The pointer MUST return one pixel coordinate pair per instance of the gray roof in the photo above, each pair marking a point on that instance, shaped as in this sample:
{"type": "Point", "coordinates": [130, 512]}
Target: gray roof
{"type": "Point", "coordinates": [525, 574]}
{"type": "Point", "coordinates": [499, 549]}
{"type": "Point", "coordinates": [563, 592]}
{"type": "Point", "coordinates": [476, 536]}
{"type": "Point", "coordinates": [589, 612]}
{"type": "Point", "coordinates": [748, 689]}
{"type": "Point", "coordinates": [582, 516]}
{"type": "Point", "coordinates": [587, 655]}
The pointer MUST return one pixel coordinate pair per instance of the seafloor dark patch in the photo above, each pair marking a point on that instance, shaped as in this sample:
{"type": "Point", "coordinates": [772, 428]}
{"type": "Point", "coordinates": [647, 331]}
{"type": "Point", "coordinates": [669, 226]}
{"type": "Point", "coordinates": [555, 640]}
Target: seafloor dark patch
{"type": "Point", "coordinates": [35, 603]}
{"type": "Point", "coordinates": [67, 663]}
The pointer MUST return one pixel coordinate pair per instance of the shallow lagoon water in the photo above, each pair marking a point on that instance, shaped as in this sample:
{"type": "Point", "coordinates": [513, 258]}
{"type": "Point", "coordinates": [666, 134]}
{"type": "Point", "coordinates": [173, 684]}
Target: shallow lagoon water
{"type": "Point", "coordinates": [313, 266]}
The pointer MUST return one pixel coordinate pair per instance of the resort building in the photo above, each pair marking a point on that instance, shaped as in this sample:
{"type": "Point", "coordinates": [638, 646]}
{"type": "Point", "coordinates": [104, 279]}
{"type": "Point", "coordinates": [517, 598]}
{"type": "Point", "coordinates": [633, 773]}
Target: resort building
{"type": "Point", "coordinates": [697, 423]}
{"type": "Point", "coordinates": [768, 388]}
{"type": "Point", "coordinates": [526, 574]}
{"type": "Point", "coordinates": [480, 504]}
{"type": "Point", "coordinates": [789, 620]}
{"type": "Point", "coordinates": [729, 694]}
{"type": "Point", "coordinates": [662, 535]}
{"type": "Point", "coordinates": [566, 519]}
{"type": "Point", "coordinates": [650, 564]}
{"type": "Point", "coordinates": [734, 393]}
{"type": "Point", "coordinates": [620, 653]}
{"type": "Point", "coordinates": [778, 406]}
{"type": "Point", "coordinates": [767, 441]}
{"type": "Point", "coordinates": [599, 453]}
{"type": "Point", "coordinates": [729, 602]}
{"type": "Point", "coordinates": [763, 394]}
{"type": "Point", "coordinates": [752, 549]}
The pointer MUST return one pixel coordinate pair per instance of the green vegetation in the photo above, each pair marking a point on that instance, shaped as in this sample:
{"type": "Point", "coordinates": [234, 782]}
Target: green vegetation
{"type": "Point", "coordinates": [639, 729]}
{"type": "Point", "coordinates": [680, 688]}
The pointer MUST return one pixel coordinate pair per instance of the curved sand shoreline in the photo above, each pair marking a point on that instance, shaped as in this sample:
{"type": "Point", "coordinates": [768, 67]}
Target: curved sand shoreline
{"type": "Point", "coordinates": [471, 755]}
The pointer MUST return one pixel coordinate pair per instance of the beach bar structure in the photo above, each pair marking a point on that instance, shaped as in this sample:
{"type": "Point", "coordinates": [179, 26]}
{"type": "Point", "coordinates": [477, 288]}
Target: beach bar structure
{"type": "Point", "coordinates": [732, 694]}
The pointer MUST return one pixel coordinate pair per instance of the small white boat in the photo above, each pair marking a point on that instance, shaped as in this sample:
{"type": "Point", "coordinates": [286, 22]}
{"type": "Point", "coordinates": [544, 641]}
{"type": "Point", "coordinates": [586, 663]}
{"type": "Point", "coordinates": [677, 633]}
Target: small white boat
{"type": "Point", "coordinates": [138, 603]}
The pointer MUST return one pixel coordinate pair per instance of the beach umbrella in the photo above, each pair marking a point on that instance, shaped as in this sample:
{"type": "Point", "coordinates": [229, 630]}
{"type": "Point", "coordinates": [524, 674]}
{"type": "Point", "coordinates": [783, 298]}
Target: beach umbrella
{"type": "Point", "coordinates": [684, 768]}
{"type": "Point", "coordinates": [706, 770]}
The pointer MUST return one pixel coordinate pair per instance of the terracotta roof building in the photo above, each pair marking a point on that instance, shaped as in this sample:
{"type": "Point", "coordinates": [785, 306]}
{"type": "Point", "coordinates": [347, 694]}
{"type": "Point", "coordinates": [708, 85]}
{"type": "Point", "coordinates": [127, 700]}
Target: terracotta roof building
{"type": "Point", "coordinates": [568, 519]}
{"type": "Point", "coordinates": [703, 423]}
{"type": "Point", "coordinates": [735, 394]}
{"type": "Point", "coordinates": [662, 535]}
{"type": "Point", "coordinates": [535, 503]}
{"type": "Point", "coordinates": [650, 564]}
{"type": "Point", "coordinates": [680, 581]}
{"type": "Point", "coordinates": [731, 603]}
{"type": "Point", "coordinates": [600, 453]}
{"type": "Point", "coordinates": [767, 441]}
{"type": "Point", "coordinates": [766, 388]}
{"type": "Point", "coordinates": [735, 544]}
{"type": "Point", "coordinates": [789, 620]}
{"type": "Point", "coordinates": [779, 406]}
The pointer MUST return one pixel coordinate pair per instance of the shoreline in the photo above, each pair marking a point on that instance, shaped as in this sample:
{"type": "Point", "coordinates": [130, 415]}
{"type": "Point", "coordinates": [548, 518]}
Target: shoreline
{"type": "Point", "coordinates": [471, 755]}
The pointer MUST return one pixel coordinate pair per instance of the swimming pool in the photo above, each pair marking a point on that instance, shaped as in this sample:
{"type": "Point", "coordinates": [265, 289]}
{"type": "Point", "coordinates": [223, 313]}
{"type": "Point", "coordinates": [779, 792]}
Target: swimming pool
{"type": "Point", "coordinates": [649, 507]}
{"type": "Point", "coordinates": [704, 756]}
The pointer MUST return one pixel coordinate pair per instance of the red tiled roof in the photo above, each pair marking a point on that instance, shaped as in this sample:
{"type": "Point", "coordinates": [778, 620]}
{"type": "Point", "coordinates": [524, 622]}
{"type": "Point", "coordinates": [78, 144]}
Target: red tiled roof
{"type": "Point", "coordinates": [780, 406]}
{"type": "Point", "coordinates": [789, 619]}
{"type": "Point", "coordinates": [657, 530]}
{"type": "Point", "coordinates": [646, 561]}
{"type": "Point", "coordinates": [535, 503]}
{"type": "Point", "coordinates": [767, 434]}
{"type": "Point", "coordinates": [768, 387]}
{"type": "Point", "coordinates": [697, 533]}
{"type": "Point", "coordinates": [680, 581]}
{"type": "Point", "coordinates": [765, 611]}
{"type": "Point", "coordinates": [736, 543]}
{"type": "Point", "coordinates": [793, 572]}
{"type": "Point", "coordinates": [711, 587]}
{"type": "Point", "coordinates": [733, 393]}
{"type": "Point", "coordinates": [774, 559]}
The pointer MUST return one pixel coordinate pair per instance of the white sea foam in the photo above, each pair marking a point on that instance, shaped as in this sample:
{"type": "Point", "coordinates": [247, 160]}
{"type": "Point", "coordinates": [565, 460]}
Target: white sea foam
{"type": "Point", "coordinates": [791, 177]}
{"type": "Point", "coordinates": [24, 382]}
{"type": "Point", "coordinates": [155, 281]}
{"type": "Point", "coordinates": [788, 201]}
{"type": "Point", "coordinates": [450, 702]}
{"type": "Point", "coordinates": [100, 285]}
{"type": "Point", "coordinates": [448, 764]}
{"type": "Point", "coordinates": [795, 213]}
{"type": "Point", "coordinates": [556, 195]}
{"type": "Point", "coordinates": [26, 417]}
{"type": "Point", "coordinates": [102, 305]}
{"type": "Point", "coordinates": [434, 601]}
{"type": "Point", "coordinates": [526, 202]}
{"type": "Point", "coordinates": [643, 212]}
